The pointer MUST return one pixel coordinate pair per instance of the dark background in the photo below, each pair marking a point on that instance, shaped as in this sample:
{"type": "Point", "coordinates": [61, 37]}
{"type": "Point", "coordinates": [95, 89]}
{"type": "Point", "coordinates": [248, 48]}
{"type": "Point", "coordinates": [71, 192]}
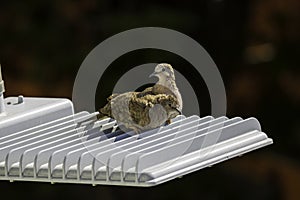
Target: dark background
{"type": "Point", "coordinates": [255, 44]}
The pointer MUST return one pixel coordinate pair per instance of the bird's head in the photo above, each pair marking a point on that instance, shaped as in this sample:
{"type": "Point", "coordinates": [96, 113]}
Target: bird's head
{"type": "Point", "coordinates": [170, 104]}
{"type": "Point", "coordinates": [163, 71]}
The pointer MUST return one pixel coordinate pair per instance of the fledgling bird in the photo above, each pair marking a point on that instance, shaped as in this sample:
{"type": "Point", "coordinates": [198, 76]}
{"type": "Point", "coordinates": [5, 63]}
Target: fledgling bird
{"type": "Point", "coordinates": [140, 113]}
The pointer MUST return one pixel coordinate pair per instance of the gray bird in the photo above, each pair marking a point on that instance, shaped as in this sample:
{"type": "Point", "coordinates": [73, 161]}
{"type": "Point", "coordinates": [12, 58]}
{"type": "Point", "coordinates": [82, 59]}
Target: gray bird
{"type": "Point", "coordinates": [166, 83]}
{"type": "Point", "coordinates": [140, 113]}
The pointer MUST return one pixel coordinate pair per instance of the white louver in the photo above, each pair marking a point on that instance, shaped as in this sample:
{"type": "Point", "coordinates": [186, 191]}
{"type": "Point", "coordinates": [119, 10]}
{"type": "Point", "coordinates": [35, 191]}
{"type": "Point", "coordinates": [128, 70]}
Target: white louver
{"type": "Point", "coordinates": [42, 140]}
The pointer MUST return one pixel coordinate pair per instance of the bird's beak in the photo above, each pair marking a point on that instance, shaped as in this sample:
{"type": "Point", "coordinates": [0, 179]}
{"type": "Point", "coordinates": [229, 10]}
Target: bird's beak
{"type": "Point", "coordinates": [153, 74]}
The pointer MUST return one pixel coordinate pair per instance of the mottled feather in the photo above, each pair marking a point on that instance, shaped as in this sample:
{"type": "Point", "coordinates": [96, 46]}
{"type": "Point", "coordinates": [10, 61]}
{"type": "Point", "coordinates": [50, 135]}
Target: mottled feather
{"type": "Point", "coordinates": [141, 113]}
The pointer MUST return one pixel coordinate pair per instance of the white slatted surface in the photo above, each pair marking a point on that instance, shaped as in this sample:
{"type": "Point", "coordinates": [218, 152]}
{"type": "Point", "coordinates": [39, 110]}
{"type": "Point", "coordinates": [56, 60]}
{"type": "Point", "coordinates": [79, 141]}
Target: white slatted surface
{"type": "Point", "coordinates": [68, 151]}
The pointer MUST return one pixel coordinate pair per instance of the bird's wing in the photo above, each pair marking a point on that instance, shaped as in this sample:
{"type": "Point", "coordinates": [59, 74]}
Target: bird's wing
{"type": "Point", "coordinates": [149, 111]}
{"type": "Point", "coordinates": [160, 89]}
{"type": "Point", "coordinates": [145, 92]}
{"type": "Point", "coordinates": [139, 110]}
{"type": "Point", "coordinates": [156, 89]}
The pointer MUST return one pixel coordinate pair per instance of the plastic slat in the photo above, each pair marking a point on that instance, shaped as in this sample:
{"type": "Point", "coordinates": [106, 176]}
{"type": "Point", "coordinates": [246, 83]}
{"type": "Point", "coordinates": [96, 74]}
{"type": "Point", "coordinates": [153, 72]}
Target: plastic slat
{"type": "Point", "coordinates": [207, 156]}
{"type": "Point", "coordinates": [87, 158]}
{"type": "Point", "coordinates": [129, 160]}
{"type": "Point", "coordinates": [72, 118]}
{"type": "Point", "coordinates": [115, 161]}
{"type": "Point", "coordinates": [101, 159]}
{"type": "Point", "coordinates": [176, 150]}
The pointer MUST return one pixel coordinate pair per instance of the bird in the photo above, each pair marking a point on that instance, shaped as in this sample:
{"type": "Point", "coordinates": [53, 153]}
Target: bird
{"type": "Point", "coordinates": [151, 108]}
{"type": "Point", "coordinates": [141, 113]}
{"type": "Point", "coordinates": [166, 83]}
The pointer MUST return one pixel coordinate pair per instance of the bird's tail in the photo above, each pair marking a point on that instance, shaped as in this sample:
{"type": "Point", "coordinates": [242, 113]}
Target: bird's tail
{"type": "Point", "coordinates": [105, 112]}
{"type": "Point", "coordinates": [102, 115]}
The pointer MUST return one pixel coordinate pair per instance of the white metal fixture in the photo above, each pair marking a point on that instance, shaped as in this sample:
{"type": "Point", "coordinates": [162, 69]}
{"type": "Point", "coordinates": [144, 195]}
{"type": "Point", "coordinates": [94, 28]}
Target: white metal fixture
{"type": "Point", "coordinates": [42, 139]}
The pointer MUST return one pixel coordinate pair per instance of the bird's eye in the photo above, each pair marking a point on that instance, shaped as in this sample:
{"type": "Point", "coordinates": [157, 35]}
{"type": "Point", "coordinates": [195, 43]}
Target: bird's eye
{"type": "Point", "coordinates": [163, 69]}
